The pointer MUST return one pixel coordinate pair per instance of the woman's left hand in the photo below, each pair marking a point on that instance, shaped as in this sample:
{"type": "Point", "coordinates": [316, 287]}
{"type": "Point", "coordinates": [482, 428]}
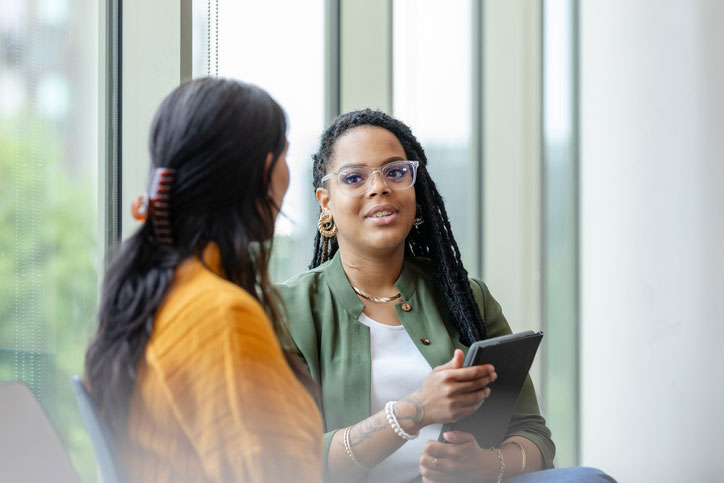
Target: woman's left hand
{"type": "Point", "coordinates": [460, 459]}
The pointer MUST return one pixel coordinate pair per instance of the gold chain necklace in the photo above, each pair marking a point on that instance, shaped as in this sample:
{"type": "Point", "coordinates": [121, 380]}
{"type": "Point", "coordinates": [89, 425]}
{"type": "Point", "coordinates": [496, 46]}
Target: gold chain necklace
{"type": "Point", "coordinates": [375, 299]}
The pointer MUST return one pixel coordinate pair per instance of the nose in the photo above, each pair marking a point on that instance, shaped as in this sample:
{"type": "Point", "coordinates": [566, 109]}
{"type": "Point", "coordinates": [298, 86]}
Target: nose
{"type": "Point", "coordinates": [376, 184]}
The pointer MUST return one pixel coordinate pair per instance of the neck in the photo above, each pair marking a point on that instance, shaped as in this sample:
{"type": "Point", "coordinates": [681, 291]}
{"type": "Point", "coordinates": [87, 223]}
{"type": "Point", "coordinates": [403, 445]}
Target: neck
{"type": "Point", "coordinates": [374, 274]}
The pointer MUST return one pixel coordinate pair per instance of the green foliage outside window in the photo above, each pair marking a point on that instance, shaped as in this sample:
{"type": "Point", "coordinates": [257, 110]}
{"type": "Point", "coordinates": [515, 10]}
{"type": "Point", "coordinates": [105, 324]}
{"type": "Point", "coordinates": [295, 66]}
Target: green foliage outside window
{"type": "Point", "coordinates": [48, 272]}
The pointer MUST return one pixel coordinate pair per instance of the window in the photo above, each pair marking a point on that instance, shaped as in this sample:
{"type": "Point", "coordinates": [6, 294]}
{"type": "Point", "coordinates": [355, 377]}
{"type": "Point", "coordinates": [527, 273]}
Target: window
{"type": "Point", "coordinates": [48, 209]}
{"type": "Point", "coordinates": [432, 93]}
{"type": "Point", "coordinates": [278, 45]}
{"type": "Point", "coordinates": [561, 229]}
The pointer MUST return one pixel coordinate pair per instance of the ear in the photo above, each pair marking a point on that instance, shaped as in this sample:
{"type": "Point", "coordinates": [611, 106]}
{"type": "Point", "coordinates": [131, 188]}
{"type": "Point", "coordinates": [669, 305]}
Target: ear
{"type": "Point", "coordinates": [267, 164]}
{"type": "Point", "coordinates": [323, 199]}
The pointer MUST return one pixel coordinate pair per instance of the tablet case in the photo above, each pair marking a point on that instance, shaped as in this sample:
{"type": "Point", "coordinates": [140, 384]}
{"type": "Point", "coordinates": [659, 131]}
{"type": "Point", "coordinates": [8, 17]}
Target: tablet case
{"type": "Point", "coordinates": [512, 356]}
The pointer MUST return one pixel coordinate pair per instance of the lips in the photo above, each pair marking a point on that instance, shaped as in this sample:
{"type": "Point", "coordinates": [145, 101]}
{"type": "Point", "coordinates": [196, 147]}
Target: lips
{"type": "Point", "coordinates": [382, 215]}
{"type": "Point", "coordinates": [381, 211]}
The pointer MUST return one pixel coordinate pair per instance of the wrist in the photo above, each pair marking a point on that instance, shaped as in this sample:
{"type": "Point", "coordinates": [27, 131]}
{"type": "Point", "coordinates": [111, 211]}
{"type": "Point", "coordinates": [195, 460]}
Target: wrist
{"type": "Point", "coordinates": [394, 423]}
{"type": "Point", "coordinates": [410, 414]}
{"type": "Point", "coordinates": [492, 466]}
{"type": "Point", "coordinates": [500, 465]}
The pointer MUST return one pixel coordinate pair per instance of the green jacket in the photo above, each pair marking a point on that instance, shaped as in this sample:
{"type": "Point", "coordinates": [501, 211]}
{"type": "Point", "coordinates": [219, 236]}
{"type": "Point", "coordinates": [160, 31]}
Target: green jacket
{"type": "Point", "coordinates": [323, 313]}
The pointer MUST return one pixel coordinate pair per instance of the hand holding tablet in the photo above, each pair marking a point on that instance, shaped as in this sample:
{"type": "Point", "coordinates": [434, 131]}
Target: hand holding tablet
{"type": "Point", "coordinates": [512, 356]}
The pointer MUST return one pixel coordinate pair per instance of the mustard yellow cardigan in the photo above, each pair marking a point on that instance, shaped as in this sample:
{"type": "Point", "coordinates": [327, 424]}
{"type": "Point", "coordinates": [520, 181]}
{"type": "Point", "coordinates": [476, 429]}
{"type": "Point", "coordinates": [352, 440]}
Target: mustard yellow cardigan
{"type": "Point", "coordinates": [215, 399]}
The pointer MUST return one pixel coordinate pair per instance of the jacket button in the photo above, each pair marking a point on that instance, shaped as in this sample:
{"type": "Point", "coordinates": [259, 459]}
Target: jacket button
{"type": "Point", "coordinates": [406, 307]}
{"type": "Point", "coordinates": [425, 341]}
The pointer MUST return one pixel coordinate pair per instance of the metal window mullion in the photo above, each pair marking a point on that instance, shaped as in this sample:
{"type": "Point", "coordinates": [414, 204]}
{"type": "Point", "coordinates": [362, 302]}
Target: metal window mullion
{"type": "Point", "coordinates": [186, 40]}
{"type": "Point", "coordinates": [477, 138]}
{"type": "Point", "coordinates": [332, 61]}
{"type": "Point", "coordinates": [113, 125]}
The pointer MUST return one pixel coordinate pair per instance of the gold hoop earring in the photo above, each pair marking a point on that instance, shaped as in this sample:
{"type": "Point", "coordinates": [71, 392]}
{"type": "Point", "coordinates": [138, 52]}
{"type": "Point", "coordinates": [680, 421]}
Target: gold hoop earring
{"type": "Point", "coordinates": [326, 225]}
{"type": "Point", "coordinates": [418, 217]}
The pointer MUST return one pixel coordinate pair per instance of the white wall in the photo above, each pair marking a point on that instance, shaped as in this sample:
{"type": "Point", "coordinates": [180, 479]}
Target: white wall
{"type": "Point", "coordinates": [652, 238]}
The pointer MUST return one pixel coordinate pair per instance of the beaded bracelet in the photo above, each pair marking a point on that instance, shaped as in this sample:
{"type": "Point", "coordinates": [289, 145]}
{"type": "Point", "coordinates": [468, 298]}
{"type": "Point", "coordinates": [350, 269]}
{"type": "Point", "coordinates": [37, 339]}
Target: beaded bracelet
{"type": "Point", "coordinates": [348, 447]}
{"type": "Point", "coordinates": [392, 419]}
{"type": "Point", "coordinates": [501, 468]}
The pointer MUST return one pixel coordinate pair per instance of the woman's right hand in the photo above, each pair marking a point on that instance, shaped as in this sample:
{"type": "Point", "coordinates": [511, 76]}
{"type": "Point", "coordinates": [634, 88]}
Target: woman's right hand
{"type": "Point", "coordinates": [449, 393]}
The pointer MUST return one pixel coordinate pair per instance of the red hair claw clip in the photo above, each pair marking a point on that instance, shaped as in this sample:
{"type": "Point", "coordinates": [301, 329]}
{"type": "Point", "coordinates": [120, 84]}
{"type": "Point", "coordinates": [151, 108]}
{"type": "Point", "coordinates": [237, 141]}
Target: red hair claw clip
{"type": "Point", "coordinates": [156, 204]}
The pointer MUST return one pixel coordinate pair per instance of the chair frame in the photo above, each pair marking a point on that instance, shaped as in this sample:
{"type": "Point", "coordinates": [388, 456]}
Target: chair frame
{"type": "Point", "coordinates": [104, 444]}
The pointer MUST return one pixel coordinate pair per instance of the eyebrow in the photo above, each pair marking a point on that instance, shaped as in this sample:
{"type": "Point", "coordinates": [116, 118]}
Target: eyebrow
{"type": "Point", "coordinates": [386, 161]}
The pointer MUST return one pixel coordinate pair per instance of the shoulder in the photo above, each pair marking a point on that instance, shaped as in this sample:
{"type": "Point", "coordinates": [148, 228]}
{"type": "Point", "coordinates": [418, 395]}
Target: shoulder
{"type": "Point", "coordinates": [215, 295]}
{"type": "Point", "coordinates": [304, 292]}
{"type": "Point", "coordinates": [490, 309]}
{"type": "Point", "coordinates": [201, 304]}
{"type": "Point", "coordinates": [206, 333]}
{"type": "Point", "coordinates": [481, 292]}
{"type": "Point", "coordinates": [422, 270]}
{"type": "Point", "coordinates": [305, 282]}
{"type": "Point", "coordinates": [309, 305]}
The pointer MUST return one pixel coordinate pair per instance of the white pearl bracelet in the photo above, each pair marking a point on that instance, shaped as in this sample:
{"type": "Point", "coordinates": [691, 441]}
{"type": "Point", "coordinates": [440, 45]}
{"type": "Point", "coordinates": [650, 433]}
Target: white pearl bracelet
{"type": "Point", "coordinates": [392, 419]}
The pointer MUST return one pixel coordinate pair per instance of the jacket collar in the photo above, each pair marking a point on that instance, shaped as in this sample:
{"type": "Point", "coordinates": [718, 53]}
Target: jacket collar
{"type": "Point", "coordinates": [425, 321]}
{"type": "Point", "coordinates": [210, 260]}
{"type": "Point", "coordinates": [341, 288]}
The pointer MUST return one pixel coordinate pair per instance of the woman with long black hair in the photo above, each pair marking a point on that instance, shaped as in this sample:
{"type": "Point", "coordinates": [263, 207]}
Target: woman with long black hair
{"type": "Point", "coordinates": [191, 365]}
{"type": "Point", "coordinates": [385, 314]}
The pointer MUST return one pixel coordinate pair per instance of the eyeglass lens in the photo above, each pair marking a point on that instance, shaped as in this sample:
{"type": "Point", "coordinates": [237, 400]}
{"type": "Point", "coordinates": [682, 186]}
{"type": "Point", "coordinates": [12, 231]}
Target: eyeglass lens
{"type": "Point", "coordinates": [397, 175]}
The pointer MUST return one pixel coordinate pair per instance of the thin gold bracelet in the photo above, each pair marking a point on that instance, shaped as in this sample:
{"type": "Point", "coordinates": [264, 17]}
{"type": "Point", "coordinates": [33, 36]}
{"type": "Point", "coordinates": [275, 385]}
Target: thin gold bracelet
{"type": "Point", "coordinates": [522, 453]}
{"type": "Point", "coordinates": [348, 447]}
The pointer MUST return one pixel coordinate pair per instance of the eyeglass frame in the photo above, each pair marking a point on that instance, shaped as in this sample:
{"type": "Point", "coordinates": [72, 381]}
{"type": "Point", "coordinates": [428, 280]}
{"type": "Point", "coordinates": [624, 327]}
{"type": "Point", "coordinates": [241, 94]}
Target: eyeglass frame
{"type": "Point", "coordinates": [415, 164]}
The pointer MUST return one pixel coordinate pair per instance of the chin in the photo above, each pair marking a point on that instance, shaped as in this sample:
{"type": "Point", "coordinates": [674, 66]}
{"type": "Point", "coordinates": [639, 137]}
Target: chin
{"type": "Point", "coordinates": [386, 243]}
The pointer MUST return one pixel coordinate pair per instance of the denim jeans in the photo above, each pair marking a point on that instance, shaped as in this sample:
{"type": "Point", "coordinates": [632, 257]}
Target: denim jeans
{"type": "Point", "coordinates": [573, 474]}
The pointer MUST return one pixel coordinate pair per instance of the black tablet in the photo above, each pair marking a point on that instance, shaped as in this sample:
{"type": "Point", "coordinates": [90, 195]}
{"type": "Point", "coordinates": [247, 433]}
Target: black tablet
{"type": "Point", "coordinates": [512, 356]}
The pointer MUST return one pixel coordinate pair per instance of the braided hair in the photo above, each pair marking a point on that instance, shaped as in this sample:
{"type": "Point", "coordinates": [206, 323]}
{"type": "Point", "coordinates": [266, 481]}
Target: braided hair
{"type": "Point", "coordinates": [433, 239]}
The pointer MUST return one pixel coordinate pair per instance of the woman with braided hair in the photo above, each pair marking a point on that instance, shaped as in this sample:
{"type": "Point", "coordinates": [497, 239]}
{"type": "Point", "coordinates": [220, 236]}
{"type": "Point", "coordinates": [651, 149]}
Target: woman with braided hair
{"type": "Point", "coordinates": [385, 314]}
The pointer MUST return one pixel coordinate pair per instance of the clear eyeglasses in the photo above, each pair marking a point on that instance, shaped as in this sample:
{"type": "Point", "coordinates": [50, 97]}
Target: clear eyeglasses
{"type": "Point", "coordinates": [354, 180]}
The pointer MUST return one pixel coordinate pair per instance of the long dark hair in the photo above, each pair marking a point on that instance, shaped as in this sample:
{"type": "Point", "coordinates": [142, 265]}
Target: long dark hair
{"type": "Point", "coordinates": [216, 134]}
{"type": "Point", "coordinates": [433, 239]}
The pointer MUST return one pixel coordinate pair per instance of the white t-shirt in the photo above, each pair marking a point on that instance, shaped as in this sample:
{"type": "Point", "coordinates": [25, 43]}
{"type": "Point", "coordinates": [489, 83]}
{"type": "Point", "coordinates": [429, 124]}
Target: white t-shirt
{"type": "Point", "coordinates": [398, 369]}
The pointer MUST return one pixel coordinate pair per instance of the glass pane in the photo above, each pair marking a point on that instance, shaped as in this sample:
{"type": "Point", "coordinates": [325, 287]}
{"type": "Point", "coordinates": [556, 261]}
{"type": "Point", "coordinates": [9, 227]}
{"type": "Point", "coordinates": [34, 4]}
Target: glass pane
{"type": "Point", "coordinates": [432, 93]}
{"type": "Point", "coordinates": [284, 54]}
{"type": "Point", "coordinates": [48, 208]}
{"type": "Point", "coordinates": [561, 232]}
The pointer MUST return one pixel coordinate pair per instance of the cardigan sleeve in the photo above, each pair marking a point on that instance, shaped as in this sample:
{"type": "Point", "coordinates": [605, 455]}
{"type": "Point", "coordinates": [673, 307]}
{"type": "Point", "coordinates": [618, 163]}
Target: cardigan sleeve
{"type": "Point", "coordinates": [238, 401]}
{"type": "Point", "coordinates": [526, 421]}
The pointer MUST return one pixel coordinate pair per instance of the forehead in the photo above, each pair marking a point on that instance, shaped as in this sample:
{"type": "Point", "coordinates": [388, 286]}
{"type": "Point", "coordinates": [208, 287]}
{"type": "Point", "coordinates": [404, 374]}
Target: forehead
{"type": "Point", "coordinates": [367, 146]}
